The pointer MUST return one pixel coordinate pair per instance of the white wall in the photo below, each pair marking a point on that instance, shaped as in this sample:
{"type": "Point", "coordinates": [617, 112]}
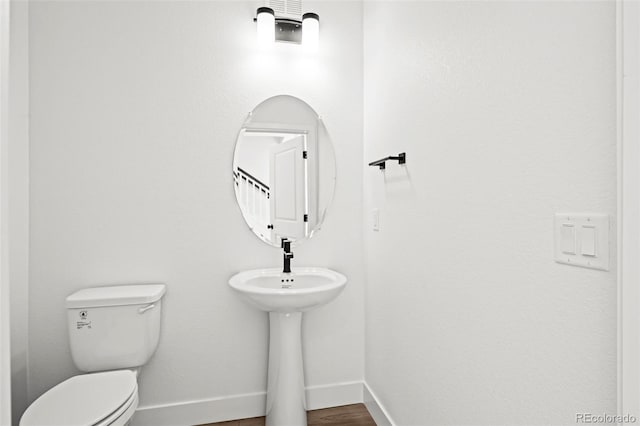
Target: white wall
{"type": "Point", "coordinates": [629, 212]}
{"type": "Point", "coordinates": [18, 181]}
{"type": "Point", "coordinates": [135, 109]}
{"type": "Point", "coordinates": [5, 333]}
{"type": "Point", "coordinates": [506, 111]}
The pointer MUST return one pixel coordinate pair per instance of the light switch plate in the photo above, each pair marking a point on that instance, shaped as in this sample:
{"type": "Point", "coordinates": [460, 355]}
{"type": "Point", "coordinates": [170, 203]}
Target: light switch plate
{"type": "Point", "coordinates": [591, 234]}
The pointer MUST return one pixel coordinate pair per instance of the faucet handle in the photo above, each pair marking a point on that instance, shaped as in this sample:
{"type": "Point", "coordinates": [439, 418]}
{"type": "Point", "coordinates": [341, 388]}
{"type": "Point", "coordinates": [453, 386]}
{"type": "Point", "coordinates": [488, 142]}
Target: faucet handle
{"type": "Point", "coordinates": [286, 245]}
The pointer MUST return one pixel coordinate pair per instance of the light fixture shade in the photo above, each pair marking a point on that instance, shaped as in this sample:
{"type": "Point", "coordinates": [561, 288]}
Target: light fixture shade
{"type": "Point", "coordinates": [266, 21]}
{"type": "Point", "coordinates": [310, 30]}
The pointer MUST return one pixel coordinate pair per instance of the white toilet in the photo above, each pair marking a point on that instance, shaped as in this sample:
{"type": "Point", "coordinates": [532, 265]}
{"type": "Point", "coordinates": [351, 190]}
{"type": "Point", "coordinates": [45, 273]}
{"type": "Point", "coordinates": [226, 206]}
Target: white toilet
{"type": "Point", "coordinates": [112, 331]}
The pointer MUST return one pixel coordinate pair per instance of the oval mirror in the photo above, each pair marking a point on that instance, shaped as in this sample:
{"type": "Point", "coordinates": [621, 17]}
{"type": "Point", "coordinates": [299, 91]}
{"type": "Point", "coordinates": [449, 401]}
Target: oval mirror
{"type": "Point", "coordinates": [284, 170]}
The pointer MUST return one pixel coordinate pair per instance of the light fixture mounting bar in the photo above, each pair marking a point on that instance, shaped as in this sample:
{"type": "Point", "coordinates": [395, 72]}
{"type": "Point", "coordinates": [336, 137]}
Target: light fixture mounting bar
{"type": "Point", "coordinates": [288, 30]}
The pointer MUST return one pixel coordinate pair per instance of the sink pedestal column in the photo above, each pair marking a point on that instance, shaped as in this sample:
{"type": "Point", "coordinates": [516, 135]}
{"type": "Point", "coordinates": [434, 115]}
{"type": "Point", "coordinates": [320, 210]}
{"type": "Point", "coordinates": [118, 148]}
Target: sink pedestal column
{"type": "Point", "coordinates": [286, 401]}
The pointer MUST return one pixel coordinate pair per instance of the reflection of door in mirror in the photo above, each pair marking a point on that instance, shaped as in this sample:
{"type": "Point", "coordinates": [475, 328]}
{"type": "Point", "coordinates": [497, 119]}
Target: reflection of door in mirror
{"type": "Point", "coordinates": [272, 183]}
{"type": "Point", "coordinates": [288, 182]}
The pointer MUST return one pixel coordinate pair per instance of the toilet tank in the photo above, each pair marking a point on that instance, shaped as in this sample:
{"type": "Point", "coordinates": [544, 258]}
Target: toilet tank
{"type": "Point", "coordinates": [114, 327]}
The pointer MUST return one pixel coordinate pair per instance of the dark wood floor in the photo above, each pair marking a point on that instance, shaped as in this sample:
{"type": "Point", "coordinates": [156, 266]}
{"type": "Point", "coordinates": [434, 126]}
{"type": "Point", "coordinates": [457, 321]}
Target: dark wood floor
{"type": "Point", "coordinates": [347, 415]}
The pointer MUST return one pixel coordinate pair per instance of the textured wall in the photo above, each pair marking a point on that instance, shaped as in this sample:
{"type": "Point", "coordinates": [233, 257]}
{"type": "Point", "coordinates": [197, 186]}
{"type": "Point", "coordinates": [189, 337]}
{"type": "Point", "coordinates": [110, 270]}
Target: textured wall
{"type": "Point", "coordinates": [18, 192]}
{"type": "Point", "coordinates": [135, 109]}
{"type": "Point", "coordinates": [507, 113]}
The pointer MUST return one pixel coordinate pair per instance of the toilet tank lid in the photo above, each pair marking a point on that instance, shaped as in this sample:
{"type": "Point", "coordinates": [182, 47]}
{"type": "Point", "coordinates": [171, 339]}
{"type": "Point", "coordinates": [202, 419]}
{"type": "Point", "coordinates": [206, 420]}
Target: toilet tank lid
{"type": "Point", "coordinates": [119, 295]}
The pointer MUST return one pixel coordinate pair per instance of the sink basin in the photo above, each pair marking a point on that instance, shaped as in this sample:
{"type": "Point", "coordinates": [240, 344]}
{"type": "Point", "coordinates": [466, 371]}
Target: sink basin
{"type": "Point", "coordinates": [286, 297]}
{"type": "Point", "coordinates": [303, 289]}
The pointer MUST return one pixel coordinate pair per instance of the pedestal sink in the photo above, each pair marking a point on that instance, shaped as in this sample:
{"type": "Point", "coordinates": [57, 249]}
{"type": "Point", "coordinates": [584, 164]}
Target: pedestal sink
{"type": "Point", "coordinates": [286, 297]}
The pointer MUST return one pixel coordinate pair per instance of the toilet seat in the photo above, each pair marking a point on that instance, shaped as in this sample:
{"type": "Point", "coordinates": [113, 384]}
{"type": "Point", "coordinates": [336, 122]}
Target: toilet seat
{"type": "Point", "coordinates": [123, 414]}
{"type": "Point", "coordinates": [98, 399]}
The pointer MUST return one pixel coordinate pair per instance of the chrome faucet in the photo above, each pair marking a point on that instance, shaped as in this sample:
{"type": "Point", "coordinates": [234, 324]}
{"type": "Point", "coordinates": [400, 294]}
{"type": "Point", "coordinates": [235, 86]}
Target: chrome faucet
{"type": "Point", "coordinates": [288, 255]}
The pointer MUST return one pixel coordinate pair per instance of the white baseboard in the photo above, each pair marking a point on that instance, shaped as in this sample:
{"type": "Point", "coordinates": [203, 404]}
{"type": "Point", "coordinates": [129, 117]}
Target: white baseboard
{"type": "Point", "coordinates": [242, 406]}
{"type": "Point", "coordinates": [202, 411]}
{"type": "Point", "coordinates": [377, 411]}
{"type": "Point", "coordinates": [334, 395]}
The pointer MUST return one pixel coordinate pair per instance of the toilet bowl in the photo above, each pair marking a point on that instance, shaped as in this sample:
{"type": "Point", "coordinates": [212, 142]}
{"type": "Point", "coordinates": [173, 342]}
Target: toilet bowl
{"type": "Point", "coordinates": [112, 331]}
{"type": "Point", "coordinates": [98, 399]}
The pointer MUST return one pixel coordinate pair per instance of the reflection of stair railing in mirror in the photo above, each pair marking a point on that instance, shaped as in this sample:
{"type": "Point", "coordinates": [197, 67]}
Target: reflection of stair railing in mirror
{"type": "Point", "coordinates": [254, 196]}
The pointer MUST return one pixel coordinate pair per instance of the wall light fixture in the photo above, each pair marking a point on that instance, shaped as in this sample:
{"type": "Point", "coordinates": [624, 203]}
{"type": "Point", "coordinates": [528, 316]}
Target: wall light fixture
{"type": "Point", "coordinates": [265, 19]}
{"type": "Point", "coordinates": [310, 30]}
{"type": "Point", "coordinates": [287, 29]}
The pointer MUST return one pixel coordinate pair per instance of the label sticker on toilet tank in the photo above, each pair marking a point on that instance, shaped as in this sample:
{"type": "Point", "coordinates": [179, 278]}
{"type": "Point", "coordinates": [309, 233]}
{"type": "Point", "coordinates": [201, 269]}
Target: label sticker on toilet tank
{"type": "Point", "coordinates": [83, 324]}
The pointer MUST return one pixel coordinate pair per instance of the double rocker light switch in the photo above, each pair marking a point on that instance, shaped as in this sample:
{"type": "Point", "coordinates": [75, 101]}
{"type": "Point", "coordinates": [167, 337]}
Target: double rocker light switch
{"type": "Point", "coordinates": [588, 241]}
{"type": "Point", "coordinates": [568, 238]}
{"type": "Point", "coordinates": [582, 240]}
